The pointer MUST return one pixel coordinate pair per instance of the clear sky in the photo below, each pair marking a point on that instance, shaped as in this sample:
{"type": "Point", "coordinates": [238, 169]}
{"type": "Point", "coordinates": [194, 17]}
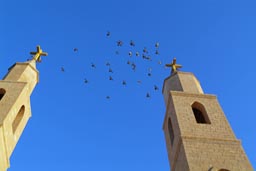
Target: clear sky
{"type": "Point", "coordinates": [74, 126]}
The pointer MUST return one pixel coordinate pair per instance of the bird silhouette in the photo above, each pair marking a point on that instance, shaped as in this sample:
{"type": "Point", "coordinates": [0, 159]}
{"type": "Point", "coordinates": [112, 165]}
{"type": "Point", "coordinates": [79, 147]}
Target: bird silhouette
{"type": "Point", "coordinates": [139, 81]}
{"type": "Point", "coordinates": [124, 82]}
{"type": "Point", "coordinates": [145, 50]}
{"type": "Point", "coordinates": [128, 62]}
{"type": "Point", "coordinates": [75, 49]}
{"type": "Point", "coordinates": [107, 97]}
{"type": "Point", "coordinates": [93, 65]}
{"type": "Point", "coordinates": [110, 78]}
{"type": "Point", "coordinates": [155, 87]}
{"type": "Point", "coordinates": [133, 66]}
{"type": "Point", "coordinates": [137, 54]}
{"type": "Point", "coordinates": [157, 45]}
{"type": "Point", "coordinates": [62, 69]}
{"type": "Point", "coordinates": [110, 70]}
{"type": "Point", "coordinates": [86, 81]}
{"type": "Point", "coordinates": [157, 52]}
{"type": "Point", "coordinates": [107, 64]}
{"type": "Point", "coordinates": [130, 54]}
{"type": "Point", "coordinates": [119, 43]}
{"type": "Point", "coordinates": [132, 43]}
{"type": "Point", "coordinates": [148, 95]}
{"type": "Point", "coordinates": [108, 34]}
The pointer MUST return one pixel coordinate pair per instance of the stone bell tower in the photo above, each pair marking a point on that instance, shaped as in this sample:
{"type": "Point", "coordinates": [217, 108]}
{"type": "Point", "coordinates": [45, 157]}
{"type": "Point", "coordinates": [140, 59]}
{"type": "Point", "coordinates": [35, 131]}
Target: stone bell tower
{"type": "Point", "coordinates": [197, 133]}
{"type": "Point", "coordinates": [15, 90]}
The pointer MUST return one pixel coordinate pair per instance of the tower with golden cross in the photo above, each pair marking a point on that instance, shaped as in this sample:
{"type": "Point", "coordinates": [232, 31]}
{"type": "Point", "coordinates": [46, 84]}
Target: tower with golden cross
{"type": "Point", "coordinates": [197, 133]}
{"type": "Point", "coordinates": [15, 90]}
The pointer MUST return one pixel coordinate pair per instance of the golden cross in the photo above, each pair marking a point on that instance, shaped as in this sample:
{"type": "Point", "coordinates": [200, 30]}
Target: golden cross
{"type": "Point", "coordinates": [174, 66]}
{"type": "Point", "coordinates": [37, 55]}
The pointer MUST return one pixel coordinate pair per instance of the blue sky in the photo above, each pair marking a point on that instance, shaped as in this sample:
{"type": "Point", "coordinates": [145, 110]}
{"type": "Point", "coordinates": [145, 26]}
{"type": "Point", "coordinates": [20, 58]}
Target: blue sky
{"type": "Point", "coordinates": [74, 126]}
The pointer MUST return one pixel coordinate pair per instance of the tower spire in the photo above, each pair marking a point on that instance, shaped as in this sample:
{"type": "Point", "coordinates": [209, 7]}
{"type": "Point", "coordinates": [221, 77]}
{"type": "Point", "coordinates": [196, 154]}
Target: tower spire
{"type": "Point", "coordinates": [174, 66]}
{"type": "Point", "coordinates": [37, 55]}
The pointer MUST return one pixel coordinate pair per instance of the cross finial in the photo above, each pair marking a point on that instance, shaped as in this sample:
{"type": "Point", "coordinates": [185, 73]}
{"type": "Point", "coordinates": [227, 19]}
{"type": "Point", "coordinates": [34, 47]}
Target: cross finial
{"type": "Point", "coordinates": [37, 55]}
{"type": "Point", "coordinates": [174, 66]}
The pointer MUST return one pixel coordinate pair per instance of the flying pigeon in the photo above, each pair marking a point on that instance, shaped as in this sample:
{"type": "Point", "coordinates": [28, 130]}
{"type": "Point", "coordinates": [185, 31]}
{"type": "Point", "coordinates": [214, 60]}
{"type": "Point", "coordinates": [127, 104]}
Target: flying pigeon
{"type": "Point", "coordinates": [107, 97]}
{"type": "Point", "coordinates": [132, 43]}
{"type": "Point", "coordinates": [62, 69]}
{"type": "Point", "coordinates": [86, 81]}
{"type": "Point", "coordinates": [137, 54]}
{"type": "Point", "coordinates": [119, 43]}
{"type": "Point", "coordinates": [107, 64]}
{"type": "Point", "coordinates": [110, 78]}
{"type": "Point", "coordinates": [149, 74]}
{"type": "Point", "coordinates": [157, 52]}
{"type": "Point", "coordinates": [130, 54]}
{"type": "Point", "coordinates": [108, 34]}
{"type": "Point", "coordinates": [124, 82]}
{"type": "Point", "coordinates": [110, 70]}
{"type": "Point", "coordinates": [75, 49]}
{"type": "Point", "coordinates": [157, 45]}
{"type": "Point", "coordinates": [128, 62]}
{"type": "Point", "coordinates": [93, 65]}
{"type": "Point", "coordinates": [148, 95]}
{"type": "Point", "coordinates": [133, 66]}
{"type": "Point", "coordinates": [145, 50]}
{"type": "Point", "coordinates": [155, 87]}
{"type": "Point", "coordinates": [139, 81]}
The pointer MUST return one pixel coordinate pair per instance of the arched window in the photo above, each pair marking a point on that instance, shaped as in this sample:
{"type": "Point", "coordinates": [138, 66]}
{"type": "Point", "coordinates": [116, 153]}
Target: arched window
{"type": "Point", "coordinates": [200, 113]}
{"type": "Point", "coordinates": [171, 134]}
{"type": "Point", "coordinates": [18, 118]}
{"type": "Point", "coordinates": [223, 170]}
{"type": "Point", "coordinates": [2, 93]}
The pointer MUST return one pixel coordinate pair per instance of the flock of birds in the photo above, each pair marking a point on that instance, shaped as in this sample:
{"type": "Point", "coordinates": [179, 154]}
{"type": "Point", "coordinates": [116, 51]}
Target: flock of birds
{"type": "Point", "coordinates": [145, 56]}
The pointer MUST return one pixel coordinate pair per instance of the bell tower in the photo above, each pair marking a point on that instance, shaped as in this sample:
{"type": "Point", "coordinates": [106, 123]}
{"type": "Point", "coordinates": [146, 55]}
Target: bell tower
{"type": "Point", "coordinates": [197, 133]}
{"type": "Point", "coordinates": [15, 90]}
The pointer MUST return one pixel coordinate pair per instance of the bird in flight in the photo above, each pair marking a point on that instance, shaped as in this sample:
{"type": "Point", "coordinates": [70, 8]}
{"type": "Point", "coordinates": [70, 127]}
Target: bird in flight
{"type": "Point", "coordinates": [62, 69]}
{"type": "Point", "coordinates": [107, 64]}
{"type": "Point", "coordinates": [148, 95]}
{"type": "Point", "coordinates": [108, 34]}
{"type": "Point", "coordinates": [110, 78]}
{"type": "Point", "coordinates": [119, 43]}
{"type": "Point", "coordinates": [93, 65]}
{"type": "Point", "coordinates": [124, 82]}
{"type": "Point", "coordinates": [155, 87]}
{"type": "Point", "coordinates": [157, 45]}
{"type": "Point", "coordinates": [128, 62]}
{"type": "Point", "coordinates": [107, 97]}
{"type": "Point", "coordinates": [157, 52]}
{"type": "Point", "coordinates": [132, 43]}
{"type": "Point", "coordinates": [137, 54]}
{"type": "Point", "coordinates": [86, 81]}
{"type": "Point", "coordinates": [139, 81]}
{"type": "Point", "coordinates": [130, 54]}
{"type": "Point", "coordinates": [145, 50]}
{"type": "Point", "coordinates": [75, 49]}
{"type": "Point", "coordinates": [133, 66]}
{"type": "Point", "coordinates": [110, 70]}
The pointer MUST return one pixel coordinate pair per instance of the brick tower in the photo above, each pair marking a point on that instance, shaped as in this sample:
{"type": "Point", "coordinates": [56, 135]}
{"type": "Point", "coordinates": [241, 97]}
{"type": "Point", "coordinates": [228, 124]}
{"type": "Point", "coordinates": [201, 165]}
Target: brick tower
{"type": "Point", "coordinates": [197, 133]}
{"type": "Point", "coordinates": [15, 90]}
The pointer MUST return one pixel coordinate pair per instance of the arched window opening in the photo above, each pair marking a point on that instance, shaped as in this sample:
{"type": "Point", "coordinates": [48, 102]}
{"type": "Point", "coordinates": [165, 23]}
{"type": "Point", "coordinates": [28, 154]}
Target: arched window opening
{"type": "Point", "coordinates": [200, 113]}
{"type": "Point", "coordinates": [171, 134]}
{"type": "Point", "coordinates": [18, 119]}
{"type": "Point", "coordinates": [224, 170]}
{"type": "Point", "coordinates": [2, 93]}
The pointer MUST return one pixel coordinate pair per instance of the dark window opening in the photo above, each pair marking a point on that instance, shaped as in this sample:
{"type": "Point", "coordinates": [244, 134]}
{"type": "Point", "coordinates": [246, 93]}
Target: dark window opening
{"type": "Point", "coordinates": [223, 170]}
{"type": "Point", "coordinates": [170, 130]}
{"type": "Point", "coordinates": [199, 116]}
{"type": "Point", "coordinates": [2, 93]}
{"type": "Point", "coordinates": [200, 113]}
